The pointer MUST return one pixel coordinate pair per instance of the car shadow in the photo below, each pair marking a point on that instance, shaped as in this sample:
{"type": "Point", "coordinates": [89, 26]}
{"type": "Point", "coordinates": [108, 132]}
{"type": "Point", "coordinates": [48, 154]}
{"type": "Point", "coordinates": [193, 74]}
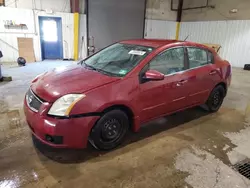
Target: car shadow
{"type": "Point", "coordinates": [147, 130]}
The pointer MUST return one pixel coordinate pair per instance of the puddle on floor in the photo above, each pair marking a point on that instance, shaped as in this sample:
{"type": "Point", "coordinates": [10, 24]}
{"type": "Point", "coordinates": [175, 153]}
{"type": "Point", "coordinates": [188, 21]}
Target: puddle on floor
{"type": "Point", "coordinates": [3, 105]}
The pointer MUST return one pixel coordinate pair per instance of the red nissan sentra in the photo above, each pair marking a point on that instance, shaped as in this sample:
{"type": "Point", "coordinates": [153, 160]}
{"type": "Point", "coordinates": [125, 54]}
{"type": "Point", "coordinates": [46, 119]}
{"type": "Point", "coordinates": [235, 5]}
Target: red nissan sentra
{"type": "Point", "coordinates": [121, 87]}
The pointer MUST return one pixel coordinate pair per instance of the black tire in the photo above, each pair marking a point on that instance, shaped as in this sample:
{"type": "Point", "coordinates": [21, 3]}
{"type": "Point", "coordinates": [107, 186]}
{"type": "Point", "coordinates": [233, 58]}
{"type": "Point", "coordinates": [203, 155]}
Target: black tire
{"type": "Point", "coordinates": [215, 99]}
{"type": "Point", "coordinates": [247, 67]}
{"type": "Point", "coordinates": [109, 130]}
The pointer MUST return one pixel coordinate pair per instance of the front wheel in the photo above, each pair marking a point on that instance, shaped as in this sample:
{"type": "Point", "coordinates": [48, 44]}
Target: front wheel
{"type": "Point", "coordinates": [216, 98]}
{"type": "Point", "coordinates": [109, 130]}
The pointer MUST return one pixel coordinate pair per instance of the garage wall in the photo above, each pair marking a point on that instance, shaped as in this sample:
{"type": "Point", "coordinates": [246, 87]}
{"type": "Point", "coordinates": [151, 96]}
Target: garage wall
{"type": "Point", "coordinates": [220, 12]}
{"type": "Point", "coordinates": [8, 37]}
{"type": "Point", "coordinates": [233, 36]}
{"type": "Point", "coordinates": [83, 37]}
{"type": "Point", "coordinates": [55, 5]}
{"type": "Point", "coordinates": [159, 29]}
{"type": "Point", "coordinates": [160, 10]}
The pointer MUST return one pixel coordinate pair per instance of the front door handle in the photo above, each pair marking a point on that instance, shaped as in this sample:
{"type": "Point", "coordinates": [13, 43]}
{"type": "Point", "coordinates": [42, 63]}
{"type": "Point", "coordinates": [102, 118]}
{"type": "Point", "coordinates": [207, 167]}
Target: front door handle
{"type": "Point", "coordinates": [181, 83]}
{"type": "Point", "coordinates": [213, 72]}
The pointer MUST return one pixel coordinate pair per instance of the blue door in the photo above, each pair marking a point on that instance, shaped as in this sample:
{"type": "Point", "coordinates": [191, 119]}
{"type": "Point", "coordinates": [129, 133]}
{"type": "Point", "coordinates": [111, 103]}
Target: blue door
{"type": "Point", "coordinates": [51, 37]}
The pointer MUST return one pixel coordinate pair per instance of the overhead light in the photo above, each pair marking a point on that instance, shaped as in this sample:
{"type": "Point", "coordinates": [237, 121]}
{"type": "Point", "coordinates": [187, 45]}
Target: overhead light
{"type": "Point", "coordinates": [49, 11]}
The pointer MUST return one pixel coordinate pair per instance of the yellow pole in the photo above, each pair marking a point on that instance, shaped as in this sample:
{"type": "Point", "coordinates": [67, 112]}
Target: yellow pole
{"type": "Point", "coordinates": [178, 24]}
{"type": "Point", "coordinates": [76, 35]}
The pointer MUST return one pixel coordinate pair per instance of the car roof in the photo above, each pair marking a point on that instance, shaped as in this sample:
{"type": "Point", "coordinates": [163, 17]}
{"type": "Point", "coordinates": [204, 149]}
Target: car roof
{"type": "Point", "coordinates": [150, 42]}
{"type": "Point", "coordinates": [155, 43]}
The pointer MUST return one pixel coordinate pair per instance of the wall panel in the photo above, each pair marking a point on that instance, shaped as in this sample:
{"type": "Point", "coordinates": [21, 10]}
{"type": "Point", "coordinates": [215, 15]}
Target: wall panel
{"type": "Point", "coordinates": [55, 5]}
{"type": "Point", "coordinates": [233, 36]}
{"type": "Point", "coordinates": [160, 29]}
{"type": "Point", "coordinates": [83, 37]}
{"type": "Point", "coordinates": [8, 37]}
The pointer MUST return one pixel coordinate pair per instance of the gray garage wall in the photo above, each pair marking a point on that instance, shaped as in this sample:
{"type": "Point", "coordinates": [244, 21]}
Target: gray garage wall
{"type": "Point", "coordinates": [112, 20]}
{"type": "Point", "coordinates": [160, 10]}
{"type": "Point", "coordinates": [220, 12]}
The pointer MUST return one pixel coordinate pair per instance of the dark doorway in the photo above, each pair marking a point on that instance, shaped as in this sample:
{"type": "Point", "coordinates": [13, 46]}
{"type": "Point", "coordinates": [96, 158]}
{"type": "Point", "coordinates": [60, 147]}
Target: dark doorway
{"type": "Point", "coordinates": [51, 37]}
{"type": "Point", "coordinates": [112, 20]}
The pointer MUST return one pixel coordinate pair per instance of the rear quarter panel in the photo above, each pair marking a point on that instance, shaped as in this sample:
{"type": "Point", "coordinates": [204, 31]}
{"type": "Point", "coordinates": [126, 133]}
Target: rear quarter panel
{"type": "Point", "coordinates": [225, 69]}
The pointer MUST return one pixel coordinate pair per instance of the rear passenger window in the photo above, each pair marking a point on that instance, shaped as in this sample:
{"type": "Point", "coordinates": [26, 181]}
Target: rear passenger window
{"type": "Point", "coordinates": [210, 57]}
{"type": "Point", "coordinates": [197, 57]}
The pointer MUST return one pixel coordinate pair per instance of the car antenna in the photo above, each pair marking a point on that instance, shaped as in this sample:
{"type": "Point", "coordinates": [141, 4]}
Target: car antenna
{"type": "Point", "coordinates": [186, 38]}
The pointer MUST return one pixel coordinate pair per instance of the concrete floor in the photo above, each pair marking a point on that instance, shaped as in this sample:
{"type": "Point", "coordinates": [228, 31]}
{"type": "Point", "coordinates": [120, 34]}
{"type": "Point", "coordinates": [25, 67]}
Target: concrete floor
{"type": "Point", "coordinates": [188, 149]}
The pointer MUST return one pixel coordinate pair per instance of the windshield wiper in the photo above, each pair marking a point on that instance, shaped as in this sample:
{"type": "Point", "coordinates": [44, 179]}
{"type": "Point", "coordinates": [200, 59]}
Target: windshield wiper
{"type": "Point", "coordinates": [90, 67]}
{"type": "Point", "coordinates": [100, 70]}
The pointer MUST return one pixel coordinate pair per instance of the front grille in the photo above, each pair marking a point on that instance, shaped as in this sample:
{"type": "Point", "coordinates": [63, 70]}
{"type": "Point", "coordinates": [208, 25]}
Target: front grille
{"type": "Point", "coordinates": [33, 101]}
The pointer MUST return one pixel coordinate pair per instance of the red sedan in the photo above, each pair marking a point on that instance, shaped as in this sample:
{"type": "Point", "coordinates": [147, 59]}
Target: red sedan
{"type": "Point", "coordinates": [121, 87]}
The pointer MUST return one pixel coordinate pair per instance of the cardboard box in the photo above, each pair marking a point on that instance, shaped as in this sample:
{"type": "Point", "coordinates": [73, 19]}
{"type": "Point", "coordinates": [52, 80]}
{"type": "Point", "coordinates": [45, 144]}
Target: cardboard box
{"type": "Point", "coordinates": [25, 49]}
{"type": "Point", "coordinates": [216, 47]}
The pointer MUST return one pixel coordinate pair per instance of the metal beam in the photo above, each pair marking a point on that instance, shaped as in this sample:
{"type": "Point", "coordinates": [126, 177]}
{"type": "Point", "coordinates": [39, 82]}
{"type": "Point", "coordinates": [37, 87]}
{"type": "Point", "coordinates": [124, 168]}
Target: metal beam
{"type": "Point", "coordinates": [191, 8]}
{"type": "Point", "coordinates": [179, 11]}
{"type": "Point", "coordinates": [76, 36]}
{"type": "Point", "coordinates": [74, 6]}
{"type": "Point", "coordinates": [178, 19]}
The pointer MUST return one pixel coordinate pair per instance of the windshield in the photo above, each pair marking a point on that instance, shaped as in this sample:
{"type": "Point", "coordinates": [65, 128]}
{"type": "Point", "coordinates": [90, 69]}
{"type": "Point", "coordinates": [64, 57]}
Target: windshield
{"type": "Point", "coordinates": [117, 59]}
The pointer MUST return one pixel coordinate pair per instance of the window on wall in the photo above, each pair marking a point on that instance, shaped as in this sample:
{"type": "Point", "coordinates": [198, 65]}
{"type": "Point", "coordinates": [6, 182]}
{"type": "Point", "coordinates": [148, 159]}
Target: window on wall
{"type": "Point", "coordinates": [169, 62]}
{"type": "Point", "coordinates": [197, 57]}
{"type": "Point", "coordinates": [50, 31]}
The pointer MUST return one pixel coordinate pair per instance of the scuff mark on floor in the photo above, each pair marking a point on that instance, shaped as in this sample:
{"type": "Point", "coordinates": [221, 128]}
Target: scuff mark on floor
{"type": "Point", "coordinates": [207, 171]}
{"type": "Point", "coordinates": [226, 147]}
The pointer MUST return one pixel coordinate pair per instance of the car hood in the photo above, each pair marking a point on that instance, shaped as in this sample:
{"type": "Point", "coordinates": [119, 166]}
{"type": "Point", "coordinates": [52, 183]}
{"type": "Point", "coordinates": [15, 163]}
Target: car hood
{"type": "Point", "coordinates": [65, 80]}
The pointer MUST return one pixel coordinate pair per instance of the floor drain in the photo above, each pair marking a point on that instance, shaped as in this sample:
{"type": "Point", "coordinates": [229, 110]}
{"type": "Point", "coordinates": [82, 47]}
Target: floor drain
{"type": "Point", "coordinates": [243, 168]}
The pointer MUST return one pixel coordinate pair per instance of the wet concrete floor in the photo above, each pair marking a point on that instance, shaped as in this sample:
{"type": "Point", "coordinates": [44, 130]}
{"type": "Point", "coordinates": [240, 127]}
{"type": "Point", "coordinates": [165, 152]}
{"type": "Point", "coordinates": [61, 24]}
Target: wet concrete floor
{"type": "Point", "coordinates": [157, 156]}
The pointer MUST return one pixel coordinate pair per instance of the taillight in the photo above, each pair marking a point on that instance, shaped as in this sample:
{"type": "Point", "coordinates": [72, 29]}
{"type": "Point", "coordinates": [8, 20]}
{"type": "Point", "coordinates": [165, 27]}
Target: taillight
{"type": "Point", "coordinates": [230, 69]}
{"type": "Point", "coordinates": [229, 73]}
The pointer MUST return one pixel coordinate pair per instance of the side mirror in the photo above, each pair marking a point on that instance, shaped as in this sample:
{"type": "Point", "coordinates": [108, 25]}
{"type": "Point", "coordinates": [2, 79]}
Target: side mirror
{"type": "Point", "coordinates": [153, 75]}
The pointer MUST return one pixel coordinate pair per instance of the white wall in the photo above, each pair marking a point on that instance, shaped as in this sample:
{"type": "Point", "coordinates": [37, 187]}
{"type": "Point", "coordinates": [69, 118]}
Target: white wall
{"type": "Point", "coordinates": [233, 36]}
{"type": "Point", "coordinates": [8, 37]}
{"type": "Point", "coordinates": [55, 5]}
{"type": "Point", "coordinates": [160, 29]}
{"type": "Point", "coordinates": [83, 37]}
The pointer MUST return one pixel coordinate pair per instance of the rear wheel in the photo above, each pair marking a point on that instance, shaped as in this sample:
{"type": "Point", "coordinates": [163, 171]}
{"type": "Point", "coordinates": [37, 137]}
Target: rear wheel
{"type": "Point", "coordinates": [110, 130]}
{"type": "Point", "coordinates": [215, 99]}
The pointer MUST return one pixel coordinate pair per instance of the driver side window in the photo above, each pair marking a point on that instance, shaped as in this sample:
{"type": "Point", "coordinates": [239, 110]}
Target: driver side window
{"type": "Point", "coordinates": [169, 62]}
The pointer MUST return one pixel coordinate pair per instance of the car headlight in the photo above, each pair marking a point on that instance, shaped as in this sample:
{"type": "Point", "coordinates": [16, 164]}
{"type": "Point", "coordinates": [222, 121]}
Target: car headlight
{"type": "Point", "coordinates": [63, 105]}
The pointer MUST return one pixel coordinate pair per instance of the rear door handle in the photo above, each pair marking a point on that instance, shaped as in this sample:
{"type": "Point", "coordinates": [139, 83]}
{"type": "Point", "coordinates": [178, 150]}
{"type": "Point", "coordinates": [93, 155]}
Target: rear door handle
{"type": "Point", "coordinates": [180, 83]}
{"type": "Point", "coordinates": [213, 72]}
